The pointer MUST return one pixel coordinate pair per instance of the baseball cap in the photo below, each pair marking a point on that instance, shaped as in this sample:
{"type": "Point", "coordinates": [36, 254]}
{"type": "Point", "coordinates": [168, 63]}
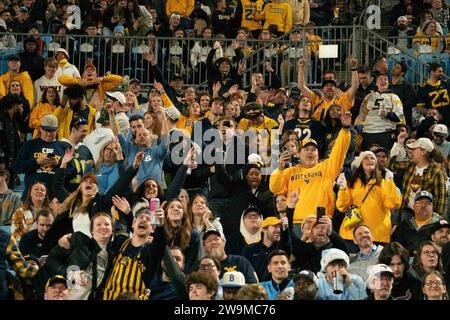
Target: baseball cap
{"type": "Point", "coordinates": [439, 225]}
{"type": "Point", "coordinates": [423, 143]}
{"type": "Point", "coordinates": [295, 93]}
{"type": "Point", "coordinates": [423, 194]}
{"type": "Point", "coordinates": [251, 209]}
{"type": "Point", "coordinates": [233, 279]}
{"type": "Point", "coordinates": [222, 59]}
{"type": "Point", "coordinates": [305, 142]}
{"type": "Point", "coordinates": [376, 271]}
{"type": "Point", "coordinates": [55, 279]}
{"type": "Point", "coordinates": [211, 231]}
{"type": "Point", "coordinates": [49, 123]}
{"type": "Point", "coordinates": [440, 128]}
{"type": "Point", "coordinates": [89, 176]}
{"type": "Point", "coordinates": [118, 96]}
{"type": "Point", "coordinates": [307, 274]}
{"type": "Point", "coordinates": [14, 57]}
{"type": "Point", "coordinates": [23, 9]}
{"type": "Point", "coordinates": [329, 81]}
{"type": "Point", "coordinates": [30, 39]}
{"type": "Point", "coordinates": [330, 255]}
{"type": "Point", "coordinates": [176, 76]}
{"type": "Point", "coordinates": [270, 221]}
{"type": "Point", "coordinates": [143, 210]}
{"type": "Point", "coordinates": [402, 18]}
{"type": "Point", "coordinates": [103, 119]}
{"type": "Point", "coordinates": [173, 113]}
{"type": "Point", "coordinates": [380, 149]}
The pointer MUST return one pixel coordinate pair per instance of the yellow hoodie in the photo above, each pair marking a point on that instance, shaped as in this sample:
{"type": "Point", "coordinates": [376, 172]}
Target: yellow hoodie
{"type": "Point", "coordinates": [376, 209]}
{"type": "Point", "coordinates": [184, 8]}
{"type": "Point", "coordinates": [314, 184]}
{"type": "Point", "coordinates": [279, 14]}
{"type": "Point", "coordinates": [36, 115]}
{"type": "Point", "coordinates": [25, 82]}
{"type": "Point", "coordinates": [65, 116]}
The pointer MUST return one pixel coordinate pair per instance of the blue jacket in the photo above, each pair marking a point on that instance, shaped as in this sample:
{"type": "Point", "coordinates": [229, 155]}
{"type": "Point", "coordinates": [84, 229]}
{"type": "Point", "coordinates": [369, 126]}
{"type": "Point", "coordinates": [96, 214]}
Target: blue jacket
{"type": "Point", "coordinates": [273, 289]}
{"type": "Point", "coordinates": [357, 291]}
{"type": "Point", "coordinates": [108, 175]}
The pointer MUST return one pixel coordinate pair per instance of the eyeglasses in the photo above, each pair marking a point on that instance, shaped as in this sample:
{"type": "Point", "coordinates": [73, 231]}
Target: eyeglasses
{"type": "Point", "coordinates": [431, 282]}
{"type": "Point", "coordinates": [430, 253]}
{"type": "Point", "coordinates": [207, 266]}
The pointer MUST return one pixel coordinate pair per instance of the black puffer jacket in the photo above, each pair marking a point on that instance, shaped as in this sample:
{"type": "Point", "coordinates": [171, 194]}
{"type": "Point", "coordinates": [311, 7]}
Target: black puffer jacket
{"type": "Point", "coordinates": [83, 251]}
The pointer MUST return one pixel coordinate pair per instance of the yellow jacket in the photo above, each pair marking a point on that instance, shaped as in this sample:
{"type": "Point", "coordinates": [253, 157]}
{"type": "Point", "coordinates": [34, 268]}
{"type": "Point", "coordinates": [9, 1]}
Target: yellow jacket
{"type": "Point", "coordinates": [65, 116]}
{"type": "Point", "coordinates": [108, 83]}
{"type": "Point", "coordinates": [248, 8]}
{"type": "Point", "coordinates": [183, 7]}
{"type": "Point", "coordinates": [276, 13]}
{"type": "Point", "coordinates": [25, 82]}
{"type": "Point", "coordinates": [36, 115]}
{"type": "Point", "coordinates": [186, 124]}
{"type": "Point", "coordinates": [314, 184]}
{"type": "Point", "coordinates": [375, 211]}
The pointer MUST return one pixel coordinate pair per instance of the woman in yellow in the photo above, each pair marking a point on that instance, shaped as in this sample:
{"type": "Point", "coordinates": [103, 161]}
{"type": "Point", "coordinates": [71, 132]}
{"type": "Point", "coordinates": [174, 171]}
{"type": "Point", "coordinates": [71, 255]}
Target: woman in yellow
{"type": "Point", "coordinates": [428, 36]}
{"type": "Point", "coordinates": [187, 123]}
{"type": "Point", "coordinates": [372, 195]}
{"type": "Point", "coordinates": [48, 104]}
{"type": "Point", "coordinates": [313, 180]}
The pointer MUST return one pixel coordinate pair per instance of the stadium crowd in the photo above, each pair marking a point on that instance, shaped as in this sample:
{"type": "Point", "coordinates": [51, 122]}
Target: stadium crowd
{"type": "Point", "coordinates": [261, 192]}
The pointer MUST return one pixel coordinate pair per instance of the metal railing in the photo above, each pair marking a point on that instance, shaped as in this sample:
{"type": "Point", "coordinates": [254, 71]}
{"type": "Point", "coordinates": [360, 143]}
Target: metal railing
{"type": "Point", "coordinates": [187, 56]}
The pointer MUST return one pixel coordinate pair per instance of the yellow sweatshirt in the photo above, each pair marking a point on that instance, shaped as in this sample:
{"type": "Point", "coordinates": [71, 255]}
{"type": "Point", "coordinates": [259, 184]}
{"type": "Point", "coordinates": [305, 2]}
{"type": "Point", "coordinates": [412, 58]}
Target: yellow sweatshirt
{"type": "Point", "coordinates": [276, 13]}
{"type": "Point", "coordinates": [108, 83]}
{"type": "Point", "coordinates": [186, 124]}
{"type": "Point", "coordinates": [65, 116]}
{"type": "Point", "coordinates": [375, 211]}
{"type": "Point", "coordinates": [183, 7]}
{"type": "Point", "coordinates": [36, 115]}
{"type": "Point", "coordinates": [25, 82]}
{"type": "Point", "coordinates": [314, 184]}
{"type": "Point", "coordinates": [249, 8]}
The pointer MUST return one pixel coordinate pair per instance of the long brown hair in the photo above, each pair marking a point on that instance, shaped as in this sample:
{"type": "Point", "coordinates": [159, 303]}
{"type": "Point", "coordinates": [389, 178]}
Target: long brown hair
{"type": "Point", "coordinates": [100, 159]}
{"type": "Point", "coordinates": [27, 204]}
{"type": "Point", "coordinates": [191, 204]}
{"type": "Point", "coordinates": [359, 174]}
{"type": "Point", "coordinates": [74, 203]}
{"type": "Point", "coordinates": [184, 230]}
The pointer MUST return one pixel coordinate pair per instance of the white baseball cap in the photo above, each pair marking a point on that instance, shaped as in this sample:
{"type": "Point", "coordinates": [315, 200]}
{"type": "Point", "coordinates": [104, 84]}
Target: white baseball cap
{"type": "Point", "coordinates": [423, 143]}
{"type": "Point", "coordinates": [233, 279]}
{"type": "Point", "coordinates": [440, 128]}
{"type": "Point", "coordinates": [330, 255]}
{"type": "Point", "coordinates": [119, 96]}
{"type": "Point", "coordinates": [376, 271]}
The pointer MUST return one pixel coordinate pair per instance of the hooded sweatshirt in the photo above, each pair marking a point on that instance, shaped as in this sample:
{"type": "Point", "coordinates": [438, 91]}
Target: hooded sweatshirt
{"type": "Point", "coordinates": [9, 201]}
{"type": "Point", "coordinates": [25, 82]}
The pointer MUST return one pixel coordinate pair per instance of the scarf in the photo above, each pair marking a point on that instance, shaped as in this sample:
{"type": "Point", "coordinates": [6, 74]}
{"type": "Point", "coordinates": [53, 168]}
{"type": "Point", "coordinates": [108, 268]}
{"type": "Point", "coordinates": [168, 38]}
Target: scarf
{"type": "Point", "coordinates": [63, 62]}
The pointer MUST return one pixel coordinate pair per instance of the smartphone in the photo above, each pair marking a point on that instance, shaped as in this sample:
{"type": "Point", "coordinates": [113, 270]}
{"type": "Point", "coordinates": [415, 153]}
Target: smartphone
{"type": "Point", "coordinates": [50, 155]}
{"type": "Point", "coordinates": [320, 213]}
{"type": "Point", "coordinates": [226, 123]}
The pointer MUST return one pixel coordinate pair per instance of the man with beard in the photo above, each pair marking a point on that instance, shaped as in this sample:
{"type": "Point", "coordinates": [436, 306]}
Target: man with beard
{"type": "Point", "coordinates": [10, 134]}
{"type": "Point", "coordinates": [83, 161]}
{"type": "Point", "coordinates": [136, 261]}
{"type": "Point", "coordinates": [74, 109]}
{"type": "Point", "coordinates": [94, 86]}
{"type": "Point", "coordinates": [39, 157]}
{"type": "Point", "coordinates": [368, 251]}
{"type": "Point", "coordinates": [31, 242]}
{"type": "Point", "coordinates": [273, 238]}
{"type": "Point", "coordinates": [279, 267]}
{"type": "Point", "coordinates": [380, 282]}
{"type": "Point", "coordinates": [31, 61]}
{"type": "Point", "coordinates": [215, 247]}
{"type": "Point", "coordinates": [434, 93]}
{"type": "Point", "coordinates": [328, 94]}
{"type": "Point", "coordinates": [441, 235]}
{"type": "Point", "coordinates": [440, 134]}
{"type": "Point", "coordinates": [401, 34]}
{"type": "Point", "coordinates": [306, 285]}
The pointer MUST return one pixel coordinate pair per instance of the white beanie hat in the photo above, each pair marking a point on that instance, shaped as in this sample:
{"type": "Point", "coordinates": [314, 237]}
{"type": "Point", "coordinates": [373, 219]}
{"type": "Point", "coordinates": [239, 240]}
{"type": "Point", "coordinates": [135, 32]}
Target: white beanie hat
{"type": "Point", "coordinates": [329, 255]}
{"type": "Point", "coordinates": [357, 162]}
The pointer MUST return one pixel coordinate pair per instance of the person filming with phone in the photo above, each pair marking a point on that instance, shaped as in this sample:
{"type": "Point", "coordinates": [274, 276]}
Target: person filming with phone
{"type": "Point", "coordinates": [312, 179]}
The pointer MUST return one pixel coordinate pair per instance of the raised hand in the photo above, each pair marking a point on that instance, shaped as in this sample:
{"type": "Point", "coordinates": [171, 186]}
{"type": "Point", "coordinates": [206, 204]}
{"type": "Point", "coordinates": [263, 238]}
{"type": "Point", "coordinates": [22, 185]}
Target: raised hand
{"type": "Point", "coordinates": [137, 159]}
{"type": "Point", "coordinates": [158, 86]}
{"type": "Point", "coordinates": [301, 62]}
{"type": "Point", "coordinates": [121, 203]}
{"type": "Point", "coordinates": [346, 119]}
{"type": "Point", "coordinates": [68, 156]}
{"type": "Point", "coordinates": [241, 67]}
{"type": "Point", "coordinates": [234, 88]}
{"type": "Point", "coordinates": [401, 138]}
{"type": "Point", "coordinates": [293, 198]}
{"type": "Point", "coordinates": [150, 57]}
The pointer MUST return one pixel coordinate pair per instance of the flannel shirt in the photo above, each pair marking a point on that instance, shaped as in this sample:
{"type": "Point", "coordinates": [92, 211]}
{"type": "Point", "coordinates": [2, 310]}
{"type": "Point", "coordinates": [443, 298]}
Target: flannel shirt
{"type": "Point", "coordinates": [433, 181]}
